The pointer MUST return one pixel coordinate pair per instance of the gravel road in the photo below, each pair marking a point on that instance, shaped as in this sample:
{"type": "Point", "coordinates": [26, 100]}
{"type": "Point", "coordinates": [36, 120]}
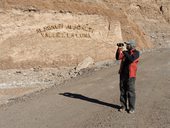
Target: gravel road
{"type": "Point", "coordinates": [92, 100]}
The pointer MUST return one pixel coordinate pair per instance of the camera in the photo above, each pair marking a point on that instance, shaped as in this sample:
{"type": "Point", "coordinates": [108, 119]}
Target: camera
{"type": "Point", "coordinates": [120, 44]}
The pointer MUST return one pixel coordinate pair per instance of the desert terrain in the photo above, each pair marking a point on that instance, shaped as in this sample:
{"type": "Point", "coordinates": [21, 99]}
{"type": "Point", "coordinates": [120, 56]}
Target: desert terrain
{"type": "Point", "coordinates": [58, 67]}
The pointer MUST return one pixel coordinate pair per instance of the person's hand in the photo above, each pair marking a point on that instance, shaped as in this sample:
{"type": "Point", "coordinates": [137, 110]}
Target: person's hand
{"type": "Point", "coordinates": [120, 47]}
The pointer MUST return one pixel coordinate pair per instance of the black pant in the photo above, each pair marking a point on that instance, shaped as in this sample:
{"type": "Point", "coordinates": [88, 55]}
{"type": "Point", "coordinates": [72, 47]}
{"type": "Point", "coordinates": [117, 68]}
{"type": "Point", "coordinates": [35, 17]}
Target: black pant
{"type": "Point", "coordinates": [127, 92]}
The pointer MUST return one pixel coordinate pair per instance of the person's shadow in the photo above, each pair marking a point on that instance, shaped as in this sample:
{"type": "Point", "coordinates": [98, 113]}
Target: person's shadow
{"type": "Point", "coordinates": [81, 97]}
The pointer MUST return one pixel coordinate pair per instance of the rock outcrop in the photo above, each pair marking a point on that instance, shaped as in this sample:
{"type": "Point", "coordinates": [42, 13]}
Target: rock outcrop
{"type": "Point", "coordinates": [57, 33]}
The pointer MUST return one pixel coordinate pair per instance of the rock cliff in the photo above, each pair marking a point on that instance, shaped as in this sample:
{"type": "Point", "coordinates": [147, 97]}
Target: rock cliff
{"type": "Point", "coordinates": [56, 33]}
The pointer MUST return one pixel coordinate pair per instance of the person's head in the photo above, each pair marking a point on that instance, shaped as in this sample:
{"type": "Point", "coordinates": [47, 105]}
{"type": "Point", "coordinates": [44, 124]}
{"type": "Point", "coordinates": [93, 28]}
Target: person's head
{"type": "Point", "coordinates": [131, 44]}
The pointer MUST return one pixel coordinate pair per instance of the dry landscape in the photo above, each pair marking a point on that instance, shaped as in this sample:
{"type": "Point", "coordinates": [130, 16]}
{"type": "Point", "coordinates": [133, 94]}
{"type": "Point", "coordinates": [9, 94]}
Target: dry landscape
{"type": "Point", "coordinates": [58, 67]}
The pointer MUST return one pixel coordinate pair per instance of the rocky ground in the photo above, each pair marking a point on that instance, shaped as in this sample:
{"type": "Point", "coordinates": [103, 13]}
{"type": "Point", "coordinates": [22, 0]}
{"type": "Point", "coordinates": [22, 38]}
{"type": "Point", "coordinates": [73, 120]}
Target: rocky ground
{"type": "Point", "coordinates": [19, 82]}
{"type": "Point", "coordinates": [91, 100]}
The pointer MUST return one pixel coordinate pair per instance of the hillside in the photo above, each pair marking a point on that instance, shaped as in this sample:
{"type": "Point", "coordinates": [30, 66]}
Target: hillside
{"type": "Point", "coordinates": [55, 33]}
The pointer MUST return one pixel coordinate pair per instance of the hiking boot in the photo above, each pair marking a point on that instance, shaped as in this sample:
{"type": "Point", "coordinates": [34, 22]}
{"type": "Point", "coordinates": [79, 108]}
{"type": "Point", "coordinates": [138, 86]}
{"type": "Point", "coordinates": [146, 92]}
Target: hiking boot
{"type": "Point", "coordinates": [131, 111]}
{"type": "Point", "coordinates": [121, 109]}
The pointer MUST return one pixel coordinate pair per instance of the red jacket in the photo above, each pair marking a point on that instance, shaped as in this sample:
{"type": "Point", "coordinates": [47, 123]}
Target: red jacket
{"type": "Point", "coordinates": [129, 61]}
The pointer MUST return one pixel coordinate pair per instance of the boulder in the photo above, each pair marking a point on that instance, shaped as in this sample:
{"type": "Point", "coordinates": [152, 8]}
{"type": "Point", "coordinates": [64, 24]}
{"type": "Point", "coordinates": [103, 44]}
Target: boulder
{"type": "Point", "coordinates": [86, 63]}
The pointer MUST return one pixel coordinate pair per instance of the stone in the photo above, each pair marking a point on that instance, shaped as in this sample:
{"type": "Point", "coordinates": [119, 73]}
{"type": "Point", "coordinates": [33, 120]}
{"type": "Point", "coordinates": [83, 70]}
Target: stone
{"type": "Point", "coordinates": [86, 63]}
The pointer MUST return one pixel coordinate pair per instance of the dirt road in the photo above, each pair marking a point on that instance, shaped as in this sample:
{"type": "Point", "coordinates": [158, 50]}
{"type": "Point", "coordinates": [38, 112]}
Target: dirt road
{"type": "Point", "coordinates": [91, 100]}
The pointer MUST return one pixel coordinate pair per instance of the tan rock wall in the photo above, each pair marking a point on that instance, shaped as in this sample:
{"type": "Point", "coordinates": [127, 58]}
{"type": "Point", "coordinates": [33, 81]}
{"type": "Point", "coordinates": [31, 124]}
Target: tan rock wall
{"type": "Point", "coordinates": [54, 40]}
{"type": "Point", "coordinates": [54, 33]}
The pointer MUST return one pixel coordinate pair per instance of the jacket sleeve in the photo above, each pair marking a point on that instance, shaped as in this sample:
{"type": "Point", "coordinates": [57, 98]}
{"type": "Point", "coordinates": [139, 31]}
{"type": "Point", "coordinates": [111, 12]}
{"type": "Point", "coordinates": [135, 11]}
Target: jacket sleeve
{"type": "Point", "coordinates": [119, 54]}
{"type": "Point", "coordinates": [132, 57]}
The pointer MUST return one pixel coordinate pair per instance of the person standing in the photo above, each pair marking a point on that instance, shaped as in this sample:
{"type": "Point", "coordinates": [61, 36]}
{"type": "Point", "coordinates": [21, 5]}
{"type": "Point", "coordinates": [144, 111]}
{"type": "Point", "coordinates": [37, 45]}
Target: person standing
{"type": "Point", "coordinates": [128, 68]}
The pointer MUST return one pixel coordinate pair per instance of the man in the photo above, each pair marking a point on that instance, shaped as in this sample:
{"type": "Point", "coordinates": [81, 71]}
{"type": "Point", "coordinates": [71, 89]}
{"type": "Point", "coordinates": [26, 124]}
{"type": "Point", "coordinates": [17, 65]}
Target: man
{"type": "Point", "coordinates": [129, 60]}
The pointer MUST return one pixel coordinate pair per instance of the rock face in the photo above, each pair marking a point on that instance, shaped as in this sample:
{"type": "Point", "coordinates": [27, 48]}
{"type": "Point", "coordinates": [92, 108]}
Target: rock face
{"type": "Point", "coordinates": [57, 33]}
{"type": "Point", "coordinates": [54, 40]}
{"type": "Point", "coordinates": [153, 17]}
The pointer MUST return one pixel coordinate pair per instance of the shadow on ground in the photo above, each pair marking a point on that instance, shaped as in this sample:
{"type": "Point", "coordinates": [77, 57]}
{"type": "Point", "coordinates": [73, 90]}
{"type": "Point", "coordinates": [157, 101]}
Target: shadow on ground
{"type": "Point", "coordinates": [81, 97]}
